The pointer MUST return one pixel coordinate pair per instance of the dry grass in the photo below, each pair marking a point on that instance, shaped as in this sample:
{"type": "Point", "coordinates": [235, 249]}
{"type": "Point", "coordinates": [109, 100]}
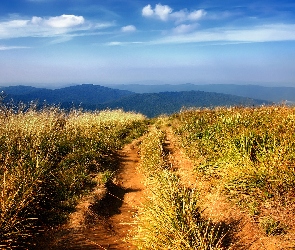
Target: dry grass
{"type": "Point", "coordinates": [49, 157]}
{"type": "Point", "coordinates": [171, 218]}
{"type": "Point", "coordinates": [47, 160]}
{"type": "Point", "coordinates": [249, 153]}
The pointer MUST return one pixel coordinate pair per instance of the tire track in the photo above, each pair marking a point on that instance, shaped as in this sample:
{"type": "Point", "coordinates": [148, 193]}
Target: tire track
{"type": "Point", "coordinates": [108, 222]}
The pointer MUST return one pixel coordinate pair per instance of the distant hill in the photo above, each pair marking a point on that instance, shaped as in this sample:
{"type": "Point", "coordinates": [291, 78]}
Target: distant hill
{"type": "Point", "coordinates": [19, 90]}
{"type": "Point", "coordinates": [85, 93]}
{"type": "Point", "coordinates": [273, 94]}
{"type": "Point", "coordinates": [154, 104]}
{"type": "Point", "coordinates": [95, 97]}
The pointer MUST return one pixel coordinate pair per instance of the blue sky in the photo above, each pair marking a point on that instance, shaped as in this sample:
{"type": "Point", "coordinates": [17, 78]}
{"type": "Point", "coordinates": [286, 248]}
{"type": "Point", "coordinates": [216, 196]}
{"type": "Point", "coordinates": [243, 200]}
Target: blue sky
{"type": "Point", "coordinates": [52, 43]}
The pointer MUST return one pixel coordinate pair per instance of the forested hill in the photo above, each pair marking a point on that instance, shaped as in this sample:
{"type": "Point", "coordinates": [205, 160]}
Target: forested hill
{"type": "Point", "coordinates": [154, 104]}
{"type": "Point", "coordinates": [79, 94]}
{"type": "Point", "coordinates": [94, 97]}
{"type": "Point", "coordinates": [273, 94]}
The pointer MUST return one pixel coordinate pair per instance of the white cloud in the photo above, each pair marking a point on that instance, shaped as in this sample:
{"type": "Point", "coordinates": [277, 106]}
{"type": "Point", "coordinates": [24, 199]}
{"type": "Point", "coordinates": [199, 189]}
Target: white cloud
{"type": "Point", "coordinates": [196, 15]}
{"type": "Point", "coordinates": [128, 28]}
{"type": "Point", "coordinates": [61, 39]}
{"type": "Point", "coordinates": [164, 13]}
{"type": "Point", "coordinates": [16, 23]}
{"type": "Point", "coordinates": [36, 20]}
{"type": "Point", "coordinates": [184, 28]}
{"type": "Point", "coordinates": [114, 43]}
{"type": "Point", "coordinates": [161, 11]}
{"type": "Point", "coordinates": [123, 43]}
{"type": "Point", "coordinates": [2, 47]}
{"type": "Point", "coordinates": [147, 10]}
{"type": "Point", "coordinates": [47, 27]}
{"type": "Point", "coordinates": [179, 16]}
{"type": "Point", "coordinates": [263, 33]}
{"type": "Point", "coordinates": [64, 21]}
{"type": "Point", "coordinates": [103, 25]}
{"type": "Point", "coordinates": [185, 33]}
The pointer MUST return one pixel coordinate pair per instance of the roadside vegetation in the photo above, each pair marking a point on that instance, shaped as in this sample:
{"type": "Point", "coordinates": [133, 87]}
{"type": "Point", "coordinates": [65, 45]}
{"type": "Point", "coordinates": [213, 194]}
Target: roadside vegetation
{"type": "Point", "coordinates": [249, 153]}
{"type": "Point", "coordinates": [171, 218]}
{"type": "Point", "coordinates": [49, 158]}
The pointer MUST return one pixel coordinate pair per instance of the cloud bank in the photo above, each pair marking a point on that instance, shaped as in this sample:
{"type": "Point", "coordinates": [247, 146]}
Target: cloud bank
{"type": "Point", "coordinates": [186, 33]}
{"type": "Point", "coordinates": [263, 33]}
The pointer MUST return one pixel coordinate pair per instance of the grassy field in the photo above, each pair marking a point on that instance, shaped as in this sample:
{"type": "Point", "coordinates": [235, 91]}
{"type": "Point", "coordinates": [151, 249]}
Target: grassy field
{"type": "Point", "coordinates": [48, 160]}
{"type": "Point", "coordinates": [249, 153]}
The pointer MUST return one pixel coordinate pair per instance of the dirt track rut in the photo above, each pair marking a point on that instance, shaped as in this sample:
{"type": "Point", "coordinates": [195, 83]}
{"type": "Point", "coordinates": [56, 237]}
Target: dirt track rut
{"type": "Point", "coordinates": [106, 223]}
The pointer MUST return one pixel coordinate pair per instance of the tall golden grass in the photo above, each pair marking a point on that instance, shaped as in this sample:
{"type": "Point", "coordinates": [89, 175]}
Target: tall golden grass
{"type": "Point", "coordinates": [250, 152]}
{"type": "Point", "coordinates": [171, 217]}
{"type": "Point", "coordinates": [47, 160]}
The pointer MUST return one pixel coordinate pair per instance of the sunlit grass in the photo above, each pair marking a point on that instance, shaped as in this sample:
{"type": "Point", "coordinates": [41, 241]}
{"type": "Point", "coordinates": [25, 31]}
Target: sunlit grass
{"type": "Point", "coordinates": [250, 151]}
{"type": "Point", "coordinates": [47, 160]}
{"type": "Point", "coordinates": [49, 157]}
{"type": "Point", "coordinates": [171, 217]}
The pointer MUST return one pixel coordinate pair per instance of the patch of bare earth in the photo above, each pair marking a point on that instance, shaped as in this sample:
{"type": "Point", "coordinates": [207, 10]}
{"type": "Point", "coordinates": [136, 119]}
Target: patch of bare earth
{"type": "Point", "coordinates": [105, 218]}
{"type": "Point", "coordinates": [243, 231]}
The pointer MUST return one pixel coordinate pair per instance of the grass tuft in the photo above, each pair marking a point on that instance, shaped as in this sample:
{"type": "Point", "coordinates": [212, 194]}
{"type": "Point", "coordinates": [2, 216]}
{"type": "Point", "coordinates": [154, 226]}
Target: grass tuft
{"type": "Point", "coordinates": [171, 217]}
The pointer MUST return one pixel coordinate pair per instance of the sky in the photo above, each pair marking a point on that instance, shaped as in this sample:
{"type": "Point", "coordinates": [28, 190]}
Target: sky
{"type": "Point", "coordinates": [54, 43]}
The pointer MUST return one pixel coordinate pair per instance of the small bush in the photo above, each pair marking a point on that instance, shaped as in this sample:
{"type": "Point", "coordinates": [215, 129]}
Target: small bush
{"type": "Point", "coordinates": [271, 226]}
